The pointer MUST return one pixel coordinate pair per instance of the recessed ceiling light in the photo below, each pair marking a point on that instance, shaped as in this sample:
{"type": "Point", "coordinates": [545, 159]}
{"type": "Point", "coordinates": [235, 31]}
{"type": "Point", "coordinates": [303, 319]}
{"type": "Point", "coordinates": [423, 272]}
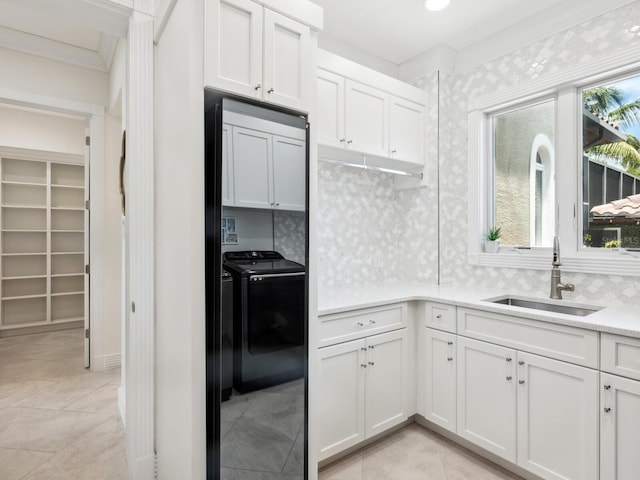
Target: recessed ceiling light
{"type": "Point", "coordinates": [435, 5]}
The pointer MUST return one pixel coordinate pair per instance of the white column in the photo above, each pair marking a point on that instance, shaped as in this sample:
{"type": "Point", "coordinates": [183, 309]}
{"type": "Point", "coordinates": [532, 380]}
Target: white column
{"type": "Point", "coordinates": [140, 372]}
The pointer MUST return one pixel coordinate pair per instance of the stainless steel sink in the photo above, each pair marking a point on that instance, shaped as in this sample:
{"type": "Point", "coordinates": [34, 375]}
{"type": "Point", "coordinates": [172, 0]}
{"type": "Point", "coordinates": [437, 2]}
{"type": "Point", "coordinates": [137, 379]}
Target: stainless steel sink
{"type": "Point", "coordinates": [548, 306]}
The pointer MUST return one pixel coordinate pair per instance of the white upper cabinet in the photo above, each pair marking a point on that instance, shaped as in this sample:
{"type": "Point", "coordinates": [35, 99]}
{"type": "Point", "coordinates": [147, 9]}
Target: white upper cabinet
{"type": "Point", "coordinates": [256, 52]}
{"type": "Point", "coordinates": [330, 123]}
{"type": "Point", "coordinates": [289, 173]}
{"type": "Point", "coordinates": [406, 129]}
{"type": "Point", "coordinates": [253, 168]}
{"type": "Point", "coordinates": [228, 197]}
{"type": "Point", "coordinates": [366, 117]}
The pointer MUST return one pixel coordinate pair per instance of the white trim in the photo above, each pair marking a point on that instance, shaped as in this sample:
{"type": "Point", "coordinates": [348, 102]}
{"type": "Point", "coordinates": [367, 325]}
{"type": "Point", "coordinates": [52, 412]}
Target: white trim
{"type": "Point", "coordinates": [140, 327]}
{"type": "Point", "coordinates": [544, 147]}
{"type": "Point", "coordinates": [106, 362]}
{"type": "Point", "coordinates": [46, 102]}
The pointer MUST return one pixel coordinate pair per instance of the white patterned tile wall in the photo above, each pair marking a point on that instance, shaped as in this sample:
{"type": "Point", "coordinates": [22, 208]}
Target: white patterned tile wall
{"type": "Point", "coordinates": [596, 38]}
{"type": "Point", "coordinates": [289, 234]}
{"type": "Point", "coordinates": [370, 232]}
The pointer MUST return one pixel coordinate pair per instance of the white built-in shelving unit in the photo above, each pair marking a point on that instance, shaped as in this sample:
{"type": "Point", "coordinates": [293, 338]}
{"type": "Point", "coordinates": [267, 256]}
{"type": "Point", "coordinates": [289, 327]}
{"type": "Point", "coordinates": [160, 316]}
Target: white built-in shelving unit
{"type": "Point", "coordinates": [42, 241]}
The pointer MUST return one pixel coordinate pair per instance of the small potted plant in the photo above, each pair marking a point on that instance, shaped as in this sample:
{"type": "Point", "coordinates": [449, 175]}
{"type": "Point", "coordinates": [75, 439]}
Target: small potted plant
{"type": "Point", "coordinates": [492, 242]}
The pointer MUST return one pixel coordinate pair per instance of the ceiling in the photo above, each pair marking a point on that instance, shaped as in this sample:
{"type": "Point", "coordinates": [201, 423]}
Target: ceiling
{"type": "Point", "coordinates": [399, 30]}
{"type": "Point", "coordinates": [79, 32]}
{"type": "Point", "coordinates": [84, 32]}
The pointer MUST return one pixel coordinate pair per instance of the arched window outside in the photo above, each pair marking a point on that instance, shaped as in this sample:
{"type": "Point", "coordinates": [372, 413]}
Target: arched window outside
{"type": "Point", "coordinates": [542, 192]}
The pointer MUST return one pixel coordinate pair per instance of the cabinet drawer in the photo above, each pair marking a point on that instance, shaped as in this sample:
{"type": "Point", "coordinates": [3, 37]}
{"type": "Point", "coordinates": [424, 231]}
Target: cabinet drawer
{"type": "Point", "coordinates": [345, 326]}
{"type": "Point", "coordinates": [620, 355]}
{"type": "Point", "coordinates": [573, 345]}
{"type": "Point", "coordinates": [440, 316]}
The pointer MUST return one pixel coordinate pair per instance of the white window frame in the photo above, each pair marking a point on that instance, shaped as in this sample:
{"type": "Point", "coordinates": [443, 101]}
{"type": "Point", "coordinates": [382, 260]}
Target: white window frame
{"type": "Point", "coordinates": [565, 85]}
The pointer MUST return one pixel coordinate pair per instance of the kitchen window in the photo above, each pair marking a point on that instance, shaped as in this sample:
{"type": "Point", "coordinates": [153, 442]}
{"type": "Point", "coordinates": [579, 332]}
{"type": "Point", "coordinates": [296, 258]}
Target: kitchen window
{"type": "Point", "coordinates": [559, 157]}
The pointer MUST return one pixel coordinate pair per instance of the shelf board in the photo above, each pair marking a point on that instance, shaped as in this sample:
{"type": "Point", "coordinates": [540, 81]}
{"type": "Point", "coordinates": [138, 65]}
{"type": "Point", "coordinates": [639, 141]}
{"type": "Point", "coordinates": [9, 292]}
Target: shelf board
{"type": "Point", "coordinates": [22, 230]}
{"type": "Point", "coordinates": [29, 184]}
{"type": "Point", "coordinates": [25, 297]}
{"type": "Point", "coordinates": [57, 275]}
{"type": "Point", "coordinates": [67, 253]}
{"type": "Point", "coordinates": [30, 207]}
{"type": "Point", "coordinates": [29, 254]}
{"type": "Point", "coordinates": [70, 209]}
{"type": "Point", "coordinates": [66, 294]}
{"type": "Point", "coordinates": [24, 277]}
{"type": "Point", "coordinates": [59, 185]}
{"type": "Point", "coordinates": [67, 231]}
{"type": "Point", "coordinates": [67, 319]}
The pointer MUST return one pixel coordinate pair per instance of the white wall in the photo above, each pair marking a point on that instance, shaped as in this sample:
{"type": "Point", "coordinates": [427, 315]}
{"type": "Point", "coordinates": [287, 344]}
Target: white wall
{"type": "Point", "coordinates": [43, 76]}
{"type": "Point", "coordinates": [26, 128]}
{"type": "Point", "coordinates": [180, 295]}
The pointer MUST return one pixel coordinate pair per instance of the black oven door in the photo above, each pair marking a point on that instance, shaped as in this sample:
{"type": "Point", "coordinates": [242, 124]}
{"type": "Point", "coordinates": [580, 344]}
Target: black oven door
{"type": "Point", "coordinates": [276, 312]}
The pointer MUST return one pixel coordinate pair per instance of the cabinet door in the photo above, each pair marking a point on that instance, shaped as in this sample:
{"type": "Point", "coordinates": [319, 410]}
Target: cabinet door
{"type": "Point", "coordinates": [233, 46]}
{"type": "Point", "coordinates": [386, 384]}
{"type": "Point", "coordinates": [227, 166]}
{"type": "Point", "coordinates": [252, 168]}
{"type": "Point", "coordinates": [366, 114]}
{"type": "Point", "coordinates": [406, 131]}
{"type": "Point", "coordinates": [287, 53]}
{"type": "Point", "coordinates": [341, 403]}
{"type": "Point", "coordinates": [557, 418]}
{"type": "Point", "coordinates": [487, 396]}
{"type": "Point", "coordinates": [330, 118]}
{"type": "Point", "coordinates": [619, 432]}
{"type": "Point", "coordinates": [289, 173]}
{"type": "Point", "coordinates": [440, 373]}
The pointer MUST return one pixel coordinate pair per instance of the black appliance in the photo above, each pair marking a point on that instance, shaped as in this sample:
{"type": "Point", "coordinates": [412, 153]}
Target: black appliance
{"type": "Point", "coordinates": [226, 300]}
{"type": "Point", "coordinates": [268, 318]}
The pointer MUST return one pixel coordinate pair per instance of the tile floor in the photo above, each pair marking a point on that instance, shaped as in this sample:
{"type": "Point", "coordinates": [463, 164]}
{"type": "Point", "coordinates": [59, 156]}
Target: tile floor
{"type": "Point", "coordinates": [58, 421]}
{"type": "Point", "coordinates": [262, 434]}
{"type": "Point", "coordinates": [414, 453]}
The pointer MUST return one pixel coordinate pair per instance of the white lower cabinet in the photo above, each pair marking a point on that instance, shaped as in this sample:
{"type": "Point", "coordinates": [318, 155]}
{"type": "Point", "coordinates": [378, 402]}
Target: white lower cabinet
{"type": "Point", "coordinates": [363, 389]}
{"type": "Point", "coordinates": [487, 396]}
{"type": "Point", "coordinates": [557, 418]}
{"type": "Point", "coordinates": [440, 377]}
{"type": "Point", "coordinates": [530, 410]}
{"type": "Point", "coordinates": [619, 428]}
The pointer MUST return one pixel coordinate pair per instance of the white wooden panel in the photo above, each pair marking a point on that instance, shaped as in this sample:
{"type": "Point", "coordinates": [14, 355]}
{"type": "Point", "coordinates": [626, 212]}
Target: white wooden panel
{"type": "Point", "coordinates": [440, 378]}
{"type": "Point", "coordinates": [366, 117]}
{"type": "Point", "coordinates": [289, 173]}
{"type": "Point", "coordinates": [620, 355]}
{"type": "Point", "coordinates": [486, 400]}
{"type": "Point", "coordinates": [233, 46]}
{"type": "Point", "coordinates": [619, 432]}
{"type": "Point", "coordinates": [570, 344]}
{"type": "Point", "coordinates": [329, 123]}
{"type": "Point", "coordinates": [287, 57]}
{"type": "Point", "coordinates": [228, 196]}
{"type": "Point", "coordinates": [386, 381]}
{"type": "Point", "coordinates": [557, 418]}
{"type": "Point", "coordinates": [341, 402]}
{"type": "Point", "coordinates": [440, 316]}
{"type": "Point", "coordinates": [253, 170]}
{"type": "Point", "coordinates": [406, 130]}
{"type": "Point", "coordinates": [342, 327]}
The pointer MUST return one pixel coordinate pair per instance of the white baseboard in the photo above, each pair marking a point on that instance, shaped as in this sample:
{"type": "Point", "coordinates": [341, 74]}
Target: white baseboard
{"type": "Point", "coordinates": [101, 363]}
{"type": "Point", "coordinates": [122, 405]}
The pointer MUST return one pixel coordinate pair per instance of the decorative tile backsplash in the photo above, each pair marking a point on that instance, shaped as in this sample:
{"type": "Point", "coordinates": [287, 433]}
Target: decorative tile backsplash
{"type": "Point", "coordinates": [368, 231]}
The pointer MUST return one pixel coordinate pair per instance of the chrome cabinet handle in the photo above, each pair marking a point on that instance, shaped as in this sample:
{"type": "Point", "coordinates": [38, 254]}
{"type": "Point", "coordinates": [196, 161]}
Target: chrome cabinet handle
{"type": "Point", "coordinates": [363, 365]}
{"type": "Point", "coordinates": [607, 387]}
{"type": "Point", "coordinates": [371, 363]}
{"type": "Point", "coordinates": [521, 362]}
{"type": "Point", "coordinates": [439, 316]}
{"type": "Point", "coordinates": [360, 324]}
{"type": "Point", "coordinates": [371, 347]}
{"type": "Point", "coordinates": [257, 87]}
{"type": "Point", "coordinates": [342, 140]}
{"type": "Point", "coordinates": [449, 343]}
{"type": "Point", "coordinates": [393, 151]}
{"type": "Point", "coordinates": [509, 377]}
{"type": "Point", "coordinates": [363, 349]}
{"type": "Point", "coordinates": [270, 90]}
{"type": "Point", "coordinates": [509, 359]}
{"type": "Point", "coordinates": [372, 322]}
{"type": "Point", "coordinates": [449, 359]}
{"type": "Point", "coordinates": [521, 382]}
{"type": "Point", "coordinates": [349, 142]}
{"type": "Point", "coordinates": [607, 409]}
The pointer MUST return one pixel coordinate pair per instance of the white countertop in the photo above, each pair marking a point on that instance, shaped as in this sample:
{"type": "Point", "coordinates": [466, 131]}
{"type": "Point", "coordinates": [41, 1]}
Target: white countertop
{"type": "Point", "coordinates": [620, 320]}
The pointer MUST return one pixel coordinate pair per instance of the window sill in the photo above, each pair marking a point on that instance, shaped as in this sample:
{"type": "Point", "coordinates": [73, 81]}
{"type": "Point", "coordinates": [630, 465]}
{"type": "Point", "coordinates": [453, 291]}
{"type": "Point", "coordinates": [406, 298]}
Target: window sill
{"type": "Point", "coordinates": [614, 263]}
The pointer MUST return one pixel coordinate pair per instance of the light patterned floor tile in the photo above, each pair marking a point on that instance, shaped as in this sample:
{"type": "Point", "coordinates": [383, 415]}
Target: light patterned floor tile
{"type": "Point", "coordinates": [15, 464]}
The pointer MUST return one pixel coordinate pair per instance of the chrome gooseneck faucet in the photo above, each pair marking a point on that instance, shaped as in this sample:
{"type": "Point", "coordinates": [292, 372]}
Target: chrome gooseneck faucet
{"type": "Point", "coordinates": [556, 282]}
